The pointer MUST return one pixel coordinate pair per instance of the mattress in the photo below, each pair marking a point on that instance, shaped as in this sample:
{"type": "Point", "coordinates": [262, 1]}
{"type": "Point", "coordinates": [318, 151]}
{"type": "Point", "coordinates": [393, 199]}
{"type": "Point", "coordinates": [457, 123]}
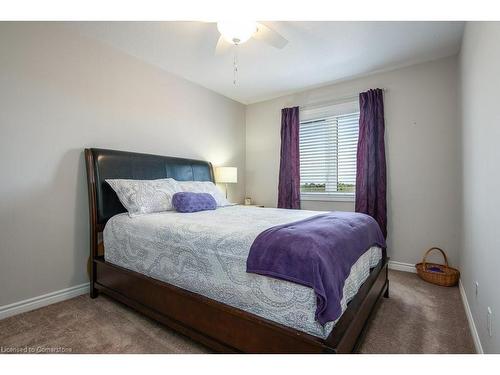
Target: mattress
{"type": "Point", "coordinates": [206, 252]}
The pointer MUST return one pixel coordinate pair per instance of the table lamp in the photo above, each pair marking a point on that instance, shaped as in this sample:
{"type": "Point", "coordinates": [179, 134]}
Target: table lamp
{"type": "Point", "coordinates": [226, 175]}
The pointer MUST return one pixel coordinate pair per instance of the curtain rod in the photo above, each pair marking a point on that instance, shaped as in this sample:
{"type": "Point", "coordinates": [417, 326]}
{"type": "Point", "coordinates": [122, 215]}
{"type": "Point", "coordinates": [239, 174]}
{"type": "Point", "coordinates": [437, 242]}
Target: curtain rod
{"type": "Point", "coordinates": [332, 102]}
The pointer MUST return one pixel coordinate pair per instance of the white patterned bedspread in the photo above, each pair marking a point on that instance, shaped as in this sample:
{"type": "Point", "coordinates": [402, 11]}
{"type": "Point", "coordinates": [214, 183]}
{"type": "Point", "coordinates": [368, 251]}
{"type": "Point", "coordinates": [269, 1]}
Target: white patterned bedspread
{"type": "Point", "coordinates": [206, 252]}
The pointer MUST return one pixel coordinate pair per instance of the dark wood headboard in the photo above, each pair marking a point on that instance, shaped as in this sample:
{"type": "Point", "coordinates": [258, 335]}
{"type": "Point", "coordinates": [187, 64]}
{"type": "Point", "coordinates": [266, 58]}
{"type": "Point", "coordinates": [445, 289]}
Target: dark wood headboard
{"type": "Point", "coordinates": [106, 164]}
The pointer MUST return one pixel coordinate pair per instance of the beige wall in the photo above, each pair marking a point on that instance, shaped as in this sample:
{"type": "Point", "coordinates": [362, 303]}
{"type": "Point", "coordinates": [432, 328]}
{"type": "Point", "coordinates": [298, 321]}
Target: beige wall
{"type": "Point", "coordinates": [480, 251]}
{"type": "Point", "coordinates": [422, 154]}
{"type": "Point", "coordinates": [59, 93]}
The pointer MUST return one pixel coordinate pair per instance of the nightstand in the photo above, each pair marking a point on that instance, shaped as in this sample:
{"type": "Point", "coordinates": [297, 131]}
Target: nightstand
{"type": "Point", "coordinates": [252, 205]}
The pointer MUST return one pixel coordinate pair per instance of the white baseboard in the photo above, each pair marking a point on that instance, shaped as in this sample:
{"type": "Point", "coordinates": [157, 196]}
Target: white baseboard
{"type": "Point", "coordinates": [472, 325]}
{"type": "Point", "coordinates": [43, 300]}
{"type": "Point", "coordinates": [400, 266]}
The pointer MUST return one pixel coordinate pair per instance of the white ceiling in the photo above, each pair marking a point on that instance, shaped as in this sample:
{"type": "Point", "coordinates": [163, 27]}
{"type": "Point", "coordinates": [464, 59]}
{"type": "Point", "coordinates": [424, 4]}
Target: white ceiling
{"type": "Point", "coordinates": [318, 53]}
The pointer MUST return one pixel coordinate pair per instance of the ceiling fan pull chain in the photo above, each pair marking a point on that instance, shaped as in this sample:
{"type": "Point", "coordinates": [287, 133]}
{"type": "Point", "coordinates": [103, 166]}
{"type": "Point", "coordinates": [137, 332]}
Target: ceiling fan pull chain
{"type": "Point", "coordinates": [235, 65]}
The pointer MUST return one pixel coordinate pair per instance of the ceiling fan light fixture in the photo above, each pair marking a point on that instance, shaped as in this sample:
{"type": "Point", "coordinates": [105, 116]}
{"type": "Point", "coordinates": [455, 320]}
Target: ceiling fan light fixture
{"type": "Point", "coordinates": [236, 32]}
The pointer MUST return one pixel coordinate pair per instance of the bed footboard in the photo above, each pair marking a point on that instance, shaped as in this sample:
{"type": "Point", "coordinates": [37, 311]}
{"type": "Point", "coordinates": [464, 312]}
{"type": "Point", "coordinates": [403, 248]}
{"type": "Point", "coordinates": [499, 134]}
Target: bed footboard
{"type": "Point", "coordinates": [230, 330]}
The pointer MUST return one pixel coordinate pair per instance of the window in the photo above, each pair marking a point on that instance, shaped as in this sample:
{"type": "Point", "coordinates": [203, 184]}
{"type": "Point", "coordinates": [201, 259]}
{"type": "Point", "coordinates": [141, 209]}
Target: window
{"type": "Point", "coordinates": [328, 144]}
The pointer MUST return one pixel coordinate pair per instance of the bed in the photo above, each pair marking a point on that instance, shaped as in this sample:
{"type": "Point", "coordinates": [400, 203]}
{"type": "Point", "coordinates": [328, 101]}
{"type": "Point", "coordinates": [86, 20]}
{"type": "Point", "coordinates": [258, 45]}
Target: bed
{"type": "Point", "coordinates": [197, 284]}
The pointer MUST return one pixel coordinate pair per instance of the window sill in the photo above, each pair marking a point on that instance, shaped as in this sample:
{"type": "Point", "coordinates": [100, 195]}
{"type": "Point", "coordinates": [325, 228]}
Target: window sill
{"type": "Point", "coordinates": [346, 197]}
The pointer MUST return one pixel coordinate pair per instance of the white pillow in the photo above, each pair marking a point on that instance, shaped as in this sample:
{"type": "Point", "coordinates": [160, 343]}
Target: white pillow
{"type": "Point", "coordinates": [145, 196]}
{"type": "Point", "coordinates": [205, 187]}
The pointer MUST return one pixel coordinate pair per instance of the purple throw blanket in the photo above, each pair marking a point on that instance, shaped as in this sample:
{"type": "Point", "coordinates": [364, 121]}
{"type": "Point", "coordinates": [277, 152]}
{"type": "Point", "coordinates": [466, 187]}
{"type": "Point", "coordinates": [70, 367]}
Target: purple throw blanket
{"type": "Point", "coordinates": [317, 252]}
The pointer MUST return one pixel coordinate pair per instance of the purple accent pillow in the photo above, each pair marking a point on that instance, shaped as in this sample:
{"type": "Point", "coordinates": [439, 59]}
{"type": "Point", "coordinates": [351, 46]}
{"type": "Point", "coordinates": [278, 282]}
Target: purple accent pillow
{"type": "Point", "coordinates": [192, 202]}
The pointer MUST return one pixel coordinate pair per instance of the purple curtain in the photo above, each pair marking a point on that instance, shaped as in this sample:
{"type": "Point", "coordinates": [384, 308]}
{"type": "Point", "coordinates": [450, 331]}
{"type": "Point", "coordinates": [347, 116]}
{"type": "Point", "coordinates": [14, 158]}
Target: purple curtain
{"type": "Point", "coordinates": [370, 173]}
{"type": "Point", "coordinates": [289, 179]}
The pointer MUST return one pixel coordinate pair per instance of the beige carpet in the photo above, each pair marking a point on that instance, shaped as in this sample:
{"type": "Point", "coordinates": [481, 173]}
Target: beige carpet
{"type": "Point", "coordinates": [417, 318]}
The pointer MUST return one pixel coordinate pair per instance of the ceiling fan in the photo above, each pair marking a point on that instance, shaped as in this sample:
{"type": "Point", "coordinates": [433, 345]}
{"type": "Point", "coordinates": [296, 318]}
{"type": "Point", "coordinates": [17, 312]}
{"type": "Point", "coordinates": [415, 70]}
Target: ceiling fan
{"type": "Point", "coordinates": [235, 33]}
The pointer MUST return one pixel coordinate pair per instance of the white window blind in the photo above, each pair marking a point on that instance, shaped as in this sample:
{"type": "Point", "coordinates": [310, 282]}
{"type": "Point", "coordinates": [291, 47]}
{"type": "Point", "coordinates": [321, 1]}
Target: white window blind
{"type": "Point", "coordinates": [328, 145]}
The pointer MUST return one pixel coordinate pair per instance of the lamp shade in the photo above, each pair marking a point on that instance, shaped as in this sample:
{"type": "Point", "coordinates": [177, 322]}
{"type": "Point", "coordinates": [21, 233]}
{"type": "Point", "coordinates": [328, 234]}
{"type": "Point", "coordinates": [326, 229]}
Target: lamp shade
{"type": "Point", "coordinates": [226, 175]}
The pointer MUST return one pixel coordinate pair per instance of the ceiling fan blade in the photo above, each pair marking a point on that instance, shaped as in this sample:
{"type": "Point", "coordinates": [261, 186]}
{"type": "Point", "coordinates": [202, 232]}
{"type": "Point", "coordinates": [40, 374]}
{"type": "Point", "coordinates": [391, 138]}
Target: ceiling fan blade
{"type": "Point", "coordinates": [269, 36]}
{"type": "Point", "coordinates": [222, 46]}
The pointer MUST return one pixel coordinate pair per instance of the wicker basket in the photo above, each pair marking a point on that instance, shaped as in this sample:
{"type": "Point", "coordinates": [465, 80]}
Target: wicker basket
{"type": "Point", "coordinates": [439, 274]}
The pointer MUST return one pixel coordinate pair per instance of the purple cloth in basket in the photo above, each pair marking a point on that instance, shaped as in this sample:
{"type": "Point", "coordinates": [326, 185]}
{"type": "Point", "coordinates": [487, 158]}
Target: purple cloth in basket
{"type": "Point", "coordinates": [317, 252]}
{"type": "Point", "coordinates": [192, 202]}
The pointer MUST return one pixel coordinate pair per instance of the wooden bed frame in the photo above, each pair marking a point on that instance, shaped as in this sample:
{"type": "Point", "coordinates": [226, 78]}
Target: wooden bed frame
{"type": "Point", "coordinates": [218, 326]}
